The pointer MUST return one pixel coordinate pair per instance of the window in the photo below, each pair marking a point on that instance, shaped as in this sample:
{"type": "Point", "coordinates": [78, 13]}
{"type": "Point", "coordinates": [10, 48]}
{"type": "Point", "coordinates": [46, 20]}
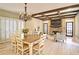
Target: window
{"type": "Point", "coordinates": [9, 26]}
{"type": "Point", "coordinates": [69, 28]}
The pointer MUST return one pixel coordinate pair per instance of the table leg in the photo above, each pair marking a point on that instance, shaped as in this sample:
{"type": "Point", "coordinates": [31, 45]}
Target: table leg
{"type": "Point", "coordinates": [30, 49]}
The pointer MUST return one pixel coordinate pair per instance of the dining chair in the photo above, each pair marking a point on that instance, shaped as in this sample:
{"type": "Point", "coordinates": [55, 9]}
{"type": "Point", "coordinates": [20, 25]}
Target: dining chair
{"type": "Point", "coordinates": [22, 48]}
{"type": "Point", "coordinates": [45, 36]}
{"type": "Point", "coordinates": [37, 48]}
{"type": "Point", "coordinates": [13, 42]}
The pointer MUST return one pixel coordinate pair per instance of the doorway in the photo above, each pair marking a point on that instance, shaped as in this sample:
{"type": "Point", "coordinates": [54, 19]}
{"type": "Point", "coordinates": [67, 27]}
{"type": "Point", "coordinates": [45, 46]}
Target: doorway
{"type": "Point", "coordinates": [69, 29]}
{"type": "Point", "coordinates": [45, 28]}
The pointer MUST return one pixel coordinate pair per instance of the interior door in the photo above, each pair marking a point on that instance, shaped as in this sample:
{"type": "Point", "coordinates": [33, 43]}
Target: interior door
{"type": "Point", "coordinates": [45, 28]}
{"type": "Point", "coordinates": [69, 29]}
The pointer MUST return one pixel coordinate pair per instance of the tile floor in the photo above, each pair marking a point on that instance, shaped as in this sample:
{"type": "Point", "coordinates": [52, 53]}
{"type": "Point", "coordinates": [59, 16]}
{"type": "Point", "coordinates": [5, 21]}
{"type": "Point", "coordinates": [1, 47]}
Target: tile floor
{"type": "Point", "coordinates": [51, 48]}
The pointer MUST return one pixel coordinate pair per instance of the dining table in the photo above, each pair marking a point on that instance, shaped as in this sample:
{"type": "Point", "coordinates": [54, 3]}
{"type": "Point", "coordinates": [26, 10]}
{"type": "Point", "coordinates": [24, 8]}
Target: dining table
{"type": "Point", "coordinates": [31, 40]}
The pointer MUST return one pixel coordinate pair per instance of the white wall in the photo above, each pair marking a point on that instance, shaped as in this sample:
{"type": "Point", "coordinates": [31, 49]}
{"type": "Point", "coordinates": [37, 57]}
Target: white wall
{"type": "Point", "coordinates": [77, 25]}
{"type": "Point", "coordinates": [33, 24]}
{"type": "Point", "coordinates": [77, 28]}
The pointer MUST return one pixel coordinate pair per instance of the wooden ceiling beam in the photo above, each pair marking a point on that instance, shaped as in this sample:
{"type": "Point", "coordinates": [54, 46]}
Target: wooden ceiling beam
{"type": "Point", "coordinates": [65, 15]}
{"type": "Point", "coordinates": [42, 18]}
{"type": "Point", "coordinates": [53, 10]}
{"type": "Point", "coordinates": [37, 18]}
{"type": "Point", "coordinates": [56, 17]}
{"type": "Point", "coordinates": [62, 13]}
{"type": "Point", "coordinates": [69, 15]}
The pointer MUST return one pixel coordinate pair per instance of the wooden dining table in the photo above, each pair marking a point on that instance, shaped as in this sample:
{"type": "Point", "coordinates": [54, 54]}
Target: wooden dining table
{"type": "Point", "coordinates": [31, 40]}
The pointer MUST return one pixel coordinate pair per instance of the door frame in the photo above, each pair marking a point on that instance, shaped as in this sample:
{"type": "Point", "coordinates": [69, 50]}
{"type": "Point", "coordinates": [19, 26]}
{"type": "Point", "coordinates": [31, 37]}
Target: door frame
{"type": "Point", "coordinates": [72, 29]}
{"type": "Point", "coordinates": [43, 27]}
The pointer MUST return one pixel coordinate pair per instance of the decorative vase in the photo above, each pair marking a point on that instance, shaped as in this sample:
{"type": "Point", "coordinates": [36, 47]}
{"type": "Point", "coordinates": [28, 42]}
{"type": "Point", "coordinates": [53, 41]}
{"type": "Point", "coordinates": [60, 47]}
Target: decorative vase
{"type": "Point", "coordinates": [25, 31]}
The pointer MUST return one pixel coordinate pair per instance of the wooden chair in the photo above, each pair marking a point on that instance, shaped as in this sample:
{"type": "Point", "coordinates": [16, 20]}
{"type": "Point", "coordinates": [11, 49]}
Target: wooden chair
{"type": "Point", "coordinates": [22, 48]}
{"type": "Point", "coordinates": [37, 48]}
{"type": "Point", "coordinates": [13, 42]}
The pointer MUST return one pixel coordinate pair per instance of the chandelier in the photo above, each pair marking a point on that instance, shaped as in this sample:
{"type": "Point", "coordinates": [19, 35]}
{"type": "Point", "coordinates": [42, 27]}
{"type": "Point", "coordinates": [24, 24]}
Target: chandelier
{"type": "Point", "coordinates": [25, 16]}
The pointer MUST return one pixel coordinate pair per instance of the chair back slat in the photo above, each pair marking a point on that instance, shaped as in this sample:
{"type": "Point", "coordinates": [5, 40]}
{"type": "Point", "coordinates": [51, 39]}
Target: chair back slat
{"type": "Point", "coordinates": [41, 42]}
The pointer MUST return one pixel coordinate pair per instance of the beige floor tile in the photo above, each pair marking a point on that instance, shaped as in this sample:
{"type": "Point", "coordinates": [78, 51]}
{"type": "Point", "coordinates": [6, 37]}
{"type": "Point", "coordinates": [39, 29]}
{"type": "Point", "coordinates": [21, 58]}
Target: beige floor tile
{"type": "Point", "coordinates": [50, 48]}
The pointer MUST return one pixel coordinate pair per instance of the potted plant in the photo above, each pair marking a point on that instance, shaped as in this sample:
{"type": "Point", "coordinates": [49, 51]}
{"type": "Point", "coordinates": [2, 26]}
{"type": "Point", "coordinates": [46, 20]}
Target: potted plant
{"type": "Point", "coordinates": [25, 31]}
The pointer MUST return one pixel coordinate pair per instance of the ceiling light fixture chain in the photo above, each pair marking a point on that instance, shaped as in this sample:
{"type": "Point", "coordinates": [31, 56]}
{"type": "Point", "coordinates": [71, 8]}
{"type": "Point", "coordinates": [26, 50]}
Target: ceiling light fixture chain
{"type": "Point", "coordinates": [25, 16]}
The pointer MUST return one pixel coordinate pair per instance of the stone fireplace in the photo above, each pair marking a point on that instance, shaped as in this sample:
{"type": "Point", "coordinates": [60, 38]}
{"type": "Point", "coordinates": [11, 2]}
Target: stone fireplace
{"type": "Point", "coordinates": [55, 26]}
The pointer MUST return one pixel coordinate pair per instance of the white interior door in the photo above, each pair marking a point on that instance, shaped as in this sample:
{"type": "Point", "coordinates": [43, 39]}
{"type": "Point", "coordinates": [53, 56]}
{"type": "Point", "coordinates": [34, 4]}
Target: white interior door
{"type": "Point", "coordinates": [45, 28]}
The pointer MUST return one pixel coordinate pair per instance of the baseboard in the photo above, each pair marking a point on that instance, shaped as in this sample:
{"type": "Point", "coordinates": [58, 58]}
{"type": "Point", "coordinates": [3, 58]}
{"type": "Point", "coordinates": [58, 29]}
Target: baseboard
{"type": "Point", "coordinates": [4, 41]}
